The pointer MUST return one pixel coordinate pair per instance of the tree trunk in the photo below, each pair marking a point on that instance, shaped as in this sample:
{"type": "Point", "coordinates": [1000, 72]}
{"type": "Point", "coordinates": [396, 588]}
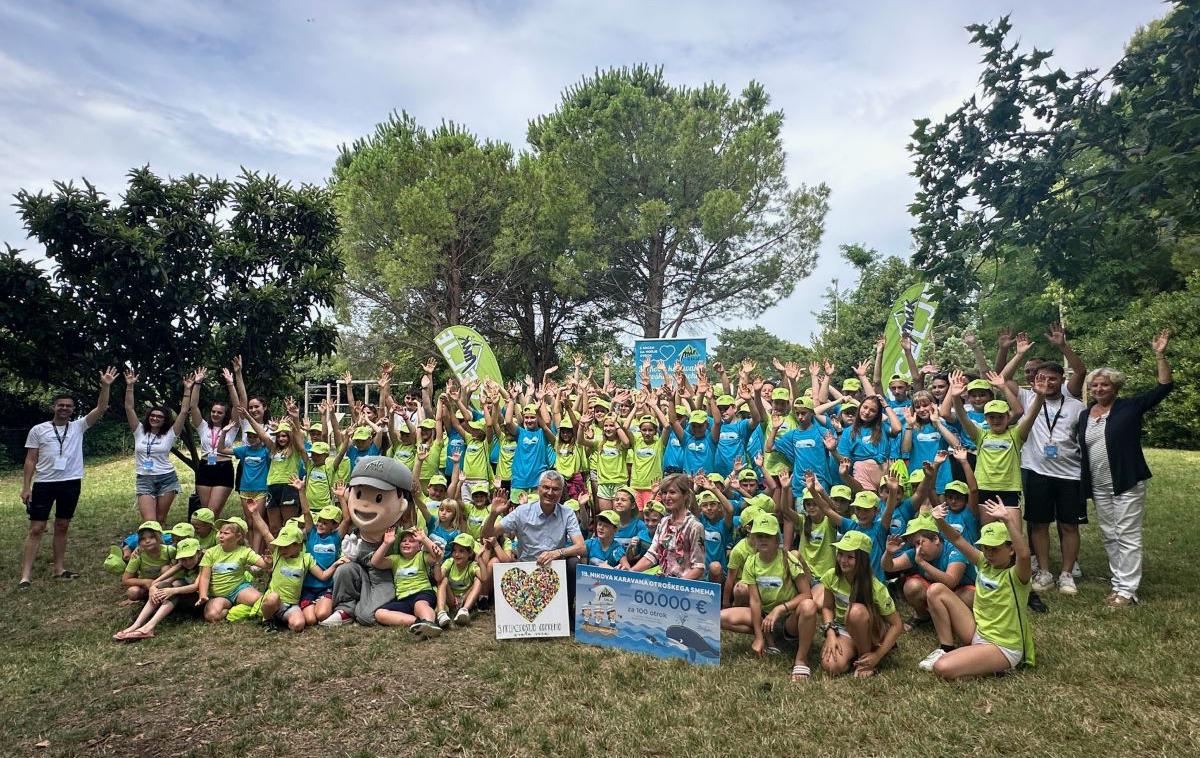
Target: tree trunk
{"type": "Point", "coordinates": [652, 322]}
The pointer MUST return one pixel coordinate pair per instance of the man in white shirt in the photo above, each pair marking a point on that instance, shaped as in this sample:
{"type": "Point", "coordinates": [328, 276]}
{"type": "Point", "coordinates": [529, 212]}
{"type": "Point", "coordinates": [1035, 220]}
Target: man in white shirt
{"type": "Point", "coordinates": [54, 458]}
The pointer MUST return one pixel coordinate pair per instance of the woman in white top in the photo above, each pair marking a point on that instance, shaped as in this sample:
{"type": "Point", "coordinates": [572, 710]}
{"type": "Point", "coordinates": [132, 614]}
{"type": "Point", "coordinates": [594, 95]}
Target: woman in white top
{"type": "Point", "coordinates": [153, 438]}
{"type": "Point", "coordinates": [214, 474]}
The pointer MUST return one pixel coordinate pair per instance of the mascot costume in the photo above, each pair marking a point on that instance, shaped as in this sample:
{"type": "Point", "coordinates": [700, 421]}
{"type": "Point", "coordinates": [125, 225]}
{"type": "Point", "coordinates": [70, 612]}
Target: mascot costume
{"type": "Point", "coordinates": [380, 496]}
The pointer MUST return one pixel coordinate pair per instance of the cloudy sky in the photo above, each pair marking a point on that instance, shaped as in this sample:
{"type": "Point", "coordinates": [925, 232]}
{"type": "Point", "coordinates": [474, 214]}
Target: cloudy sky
{"type": "Point", "coordinates": [91, 88]}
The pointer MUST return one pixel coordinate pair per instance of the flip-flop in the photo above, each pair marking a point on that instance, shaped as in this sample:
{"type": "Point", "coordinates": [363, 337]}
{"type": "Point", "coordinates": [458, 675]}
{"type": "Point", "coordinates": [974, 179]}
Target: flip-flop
{"type": "Point", "coordinates": [137, 635]}
{"type": "Point", "coordinates": [121, 635]}
{"type": "Point", "coordinates": [801, 673]}
{"type": "Point", "coordinates": [67, 574]}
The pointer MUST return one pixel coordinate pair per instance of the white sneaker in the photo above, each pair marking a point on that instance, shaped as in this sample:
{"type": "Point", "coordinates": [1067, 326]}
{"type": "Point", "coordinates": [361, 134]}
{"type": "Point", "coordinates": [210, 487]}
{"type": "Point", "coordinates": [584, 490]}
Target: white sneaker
{"type": "Point", "coordinates": [1033, 563]}
{"type": "Point", "coordinates": [337, 618]}
{"type": "Point", "coordinates": [443, 620]}
{"type": "Point", "coordinates": [927, 663]}
{"type": "Point", "coordinates": [1042, 581]}
{"type": "Point", "coordinates": [1066, 583]}
{"type": "Point", "coordinates": [463, 617]}
{"type": "Point", "coordinates": [1076, 572]}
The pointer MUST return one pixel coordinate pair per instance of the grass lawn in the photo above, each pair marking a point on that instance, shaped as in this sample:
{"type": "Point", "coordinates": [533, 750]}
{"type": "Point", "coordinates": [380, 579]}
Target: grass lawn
{"type": "Point", "coordinates": [1107, 683]}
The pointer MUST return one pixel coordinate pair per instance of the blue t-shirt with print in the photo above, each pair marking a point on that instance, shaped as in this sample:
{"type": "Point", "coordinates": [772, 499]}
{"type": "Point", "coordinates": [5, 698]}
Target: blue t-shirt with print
{"type": "Point", "coordinates": [718, 538]}
{"type": "Point", "coordinates": [732, 444]}
{"type": "Point", "coordinates": [324, 551]}
{"type": "Point", "coordinates": [805, 450]}
{"type": "Point", "coordinates": [255, 462]}
{"type": "Point", "coordinates": [598, 555]}
{"type": "Point", "coordinates": [965, 522]}
{"type": "Point", "coordinates": [530, 459]}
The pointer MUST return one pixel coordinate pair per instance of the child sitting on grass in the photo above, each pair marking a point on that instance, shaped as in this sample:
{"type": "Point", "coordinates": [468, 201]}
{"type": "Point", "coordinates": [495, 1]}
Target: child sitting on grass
{"type": "Point", "coordinates": [459, 585]}
{"type": "Point", "coordinates": [223, 570]}
{"type": "Point", "coordinates": [415, 598]}
{"type": "Point", "coordinates": [175, 586]}
{"type": "Point", "coordinates": [146, 563]}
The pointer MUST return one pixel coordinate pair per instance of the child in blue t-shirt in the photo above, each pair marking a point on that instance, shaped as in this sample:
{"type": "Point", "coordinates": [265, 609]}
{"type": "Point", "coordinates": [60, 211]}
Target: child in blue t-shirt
{"type": "Point", "coordinates": [632, 534]}
{"type": "Point", "coordinates": [716, 516]}
{"type": "Point", "coordinates": [323, 541]}
{"type": "Point", "coordinates": [603, 549]}
{"type": "Point", "coordinates": [868, 520]}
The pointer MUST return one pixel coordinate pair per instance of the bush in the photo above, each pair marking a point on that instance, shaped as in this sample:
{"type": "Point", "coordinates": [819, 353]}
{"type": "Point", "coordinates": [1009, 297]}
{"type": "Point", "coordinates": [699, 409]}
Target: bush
{"type": "Point", "coordinates": [109, 437]}
{"type": "Point", "coordinates": [1124, 344]}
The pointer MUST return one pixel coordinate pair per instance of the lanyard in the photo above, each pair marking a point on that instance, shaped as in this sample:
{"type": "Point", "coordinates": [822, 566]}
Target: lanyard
{"type": "Point", "coordinates": [1051, 424]}
{"type": "Point", "coordinates": [151, 441]}
{"type": "Point", "coordinates": [61, 439]}
{"type": "Point", "coordinates": [214, 436]}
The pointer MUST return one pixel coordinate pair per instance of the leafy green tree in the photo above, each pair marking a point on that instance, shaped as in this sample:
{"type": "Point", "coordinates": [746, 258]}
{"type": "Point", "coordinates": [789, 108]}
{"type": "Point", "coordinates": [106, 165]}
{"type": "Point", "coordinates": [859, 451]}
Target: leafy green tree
{"type": "Point", "coordinates": [180, 273]}
{"type": "Point", "coordinates": [691, 213]}
{"type": "Point", "coordinates": [759, 345]}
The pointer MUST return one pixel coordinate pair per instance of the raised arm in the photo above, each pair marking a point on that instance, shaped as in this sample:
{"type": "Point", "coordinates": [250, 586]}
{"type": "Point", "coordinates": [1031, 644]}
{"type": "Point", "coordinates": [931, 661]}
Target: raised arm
{"type": "Point", "coordinates": [914, 371]}
{"type": "Point", "coordinates": [1057, 336]}
{"type": "Point", "coordinates": [107, 376]}
{"type": "Point", "coordinates": [1159, 346]}
{"type": "Point", "coordinates": [955, 537]}
{"type": "Point", "coordinates": [981, 361]}
{"type": "Point", "coordinates": [185, 402]}
{"type": "Point", "coordinates": [243, 397]}
{"type": "Point", "coordinates": [877, 370]}
{"type": "Point", "coordinates": [130, 411]}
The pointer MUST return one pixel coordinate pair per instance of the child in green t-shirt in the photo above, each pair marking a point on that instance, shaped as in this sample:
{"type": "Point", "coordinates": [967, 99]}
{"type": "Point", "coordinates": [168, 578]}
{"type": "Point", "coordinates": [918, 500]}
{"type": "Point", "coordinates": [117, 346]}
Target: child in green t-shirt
{"type": "Point", "coordinates": [415, 598]}
{"type": "Point", "coordinates": [222, 582]}
{"type": "Point", "coordinates": [290, 564]}
{"type": "Point", "coordinates": [998, 444]}
{"type": "Point", "coordinates": [146, 563]}
{"type": "Point", "coordinates": [459, 585]}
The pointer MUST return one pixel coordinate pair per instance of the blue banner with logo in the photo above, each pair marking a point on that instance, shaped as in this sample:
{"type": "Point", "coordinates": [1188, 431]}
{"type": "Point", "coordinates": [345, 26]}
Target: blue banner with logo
{"type": "Point", "coordinates": [651, 615]}
{"type": "Point", "coordinates": [689, 352]}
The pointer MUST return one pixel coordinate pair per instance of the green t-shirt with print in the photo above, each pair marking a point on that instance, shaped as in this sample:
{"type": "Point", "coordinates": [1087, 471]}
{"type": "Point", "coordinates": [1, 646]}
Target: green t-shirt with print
{"type": "Point", "coordinates": [146, 566]}
{"type": "Point", "coordinates": [475, 463]}
{"type": "Point", "coordinates": [1001, 608]}
{"type": "Point", "coordinates": [287, 576]}
{"type": "Point", "coordinates": [410, 575]}
{"type": "Point", "coordinates": [460, 579]}
{"type": "Point", "coordinates": [774, 463]}
{"type": "Point", "coordinates": [284, 465]}
{"type": "Point", "coordinates": [647, 461]}
{"type": "Point", "coordinates": [739, 554]}
{"type": "Point", "coordinates": [508, 449]}
{"type": "Point", "coordinates": [817, 547]}
{"type": "Point", "coordinates": [228, 568]}
{"type": "Point", "coordinates": [772, 579]}
{"type": "Point", "coordinates": [840, 587]}
{"type": "Point", "coordinates": [568, 459]}
{"type": "Point", "coordinates": [610, 463]}
{"type": "Point", "coordinates": [998, 459]}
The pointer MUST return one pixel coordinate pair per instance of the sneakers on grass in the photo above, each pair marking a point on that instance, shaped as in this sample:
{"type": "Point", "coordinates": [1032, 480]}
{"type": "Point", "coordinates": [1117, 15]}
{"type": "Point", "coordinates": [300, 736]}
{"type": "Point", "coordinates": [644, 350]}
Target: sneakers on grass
{"type": "Point", "coordinates": [463, 617]}
{"type": "Point", "coordinates": [337, 618]}
{"type": "Point", "coordinates": [927, 663]}
{"type": "Point", "coordinates": [1042, 580]}
{"type": "Point", "coordinates": [1066, 583]}
{"type": "Point", "coordinates": [1076, 572]}
{"type": "Point", "coordinates": [443, 620]}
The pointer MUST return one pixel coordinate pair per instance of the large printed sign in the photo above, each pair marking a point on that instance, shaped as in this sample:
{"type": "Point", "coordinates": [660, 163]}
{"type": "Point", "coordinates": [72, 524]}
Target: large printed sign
{"type": "Point", "coordinates": [651, 615]}
{"type": "Point", "coordinates": [530, 600]}
{"type": "Point", "coordinates": [468, 355]}
{"type": "Point", "coordinates": [688, 352]}
{"type": "Point", "coordinates": [912, 315]}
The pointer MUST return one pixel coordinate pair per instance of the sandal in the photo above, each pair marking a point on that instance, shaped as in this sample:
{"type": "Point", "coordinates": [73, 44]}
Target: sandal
{"type": "Point", "coordinates": [801, 673]}
{"type": "Point", "coordinates": [772, 650]}
{"type": "Point", "coordinates": [138, 634]}
{"type": "Point", "coordinates": [24, 584]}
{"type": "Point", "coordinates": [67, 574]}
{"type": "Point", "coordinates": [864, 673]}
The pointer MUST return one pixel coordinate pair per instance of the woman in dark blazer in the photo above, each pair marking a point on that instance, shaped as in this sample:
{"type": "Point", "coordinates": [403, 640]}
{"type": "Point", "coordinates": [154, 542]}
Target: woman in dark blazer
{"type": "Point", "coordinates": [1115, 470]}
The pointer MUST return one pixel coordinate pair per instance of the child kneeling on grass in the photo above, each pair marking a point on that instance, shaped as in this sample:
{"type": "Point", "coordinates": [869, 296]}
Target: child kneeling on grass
{"type": "Point", "coordinates": [223, 571]}
{"type": "Point", "coordinates": [996, 627]}
{"type": "Point", "coordinates": [780, 600]}
{"type": "Point", "coordinates": [415, 598]}
{"type": "Point", "coordinates": [289, 566]}
{"type": "Point", "coordinates": [459, 585]}
{"type": "Point", "coordinates": [861, 624]}
{"type": "Point", "coordinates": [175, 586]}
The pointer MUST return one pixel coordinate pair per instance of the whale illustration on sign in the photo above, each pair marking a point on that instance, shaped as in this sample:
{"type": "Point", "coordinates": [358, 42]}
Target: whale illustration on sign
{"type": "Point", "coordinates": [691, 641]}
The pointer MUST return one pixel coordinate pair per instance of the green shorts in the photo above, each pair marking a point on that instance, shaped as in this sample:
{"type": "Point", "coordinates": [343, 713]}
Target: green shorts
{"type": "Point", "coordinates": [607, 491]}
{"type": "Point", "coordinates": [516, 492]}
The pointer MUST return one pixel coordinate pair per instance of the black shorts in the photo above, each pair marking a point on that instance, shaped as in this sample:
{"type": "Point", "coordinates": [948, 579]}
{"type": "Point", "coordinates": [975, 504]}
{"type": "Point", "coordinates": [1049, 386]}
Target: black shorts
{"type": "Point", "coordinates": [279, 495]}
{"type": "Point", "coordinates": [408, 604]}
{"type": "Point", "coordinates": [1010, 498]}
{"type": "Point", "coordinates": [956, 468]}
{"type": "Point", "coordinates": [1049, 499]}
{"type": "Point", "coordinates": [220, 474]}
{"type": "Point", "coordinates": [62, 496]}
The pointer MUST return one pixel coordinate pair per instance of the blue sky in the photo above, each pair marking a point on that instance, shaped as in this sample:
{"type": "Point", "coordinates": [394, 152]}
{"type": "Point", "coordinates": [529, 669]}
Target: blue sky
{"type": "Point", "coordinates": [91, 88]}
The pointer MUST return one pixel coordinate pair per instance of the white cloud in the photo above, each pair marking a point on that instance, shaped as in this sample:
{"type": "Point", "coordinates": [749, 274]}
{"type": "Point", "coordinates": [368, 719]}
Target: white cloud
{"type": "Point", "coordinates": [94, 89]}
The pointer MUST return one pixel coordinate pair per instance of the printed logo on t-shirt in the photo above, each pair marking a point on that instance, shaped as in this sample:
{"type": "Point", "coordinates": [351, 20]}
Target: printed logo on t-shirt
{"type": "Point", "coordinates": [292, 573]}
{"type": "Point", "coordinates": [928, 436]}
{"type": "Point", "coordinates": [226, 568]}
{"type": "Point", "coordinates": [407, 571]}
{"type": "Point", "coordinates": [644, 452]}
{"type": "Point", "coordinates": [731, 436]}
{"type": "Point", "coordinates": [806, 444]}
{"type": "Point", "coordinates": [996, 444]}
{"type": "Point", "coordinates": [990, 584]}
{"type": "Point", "coordinates": [610, 452]}
{"type": "Point", "coordinates": [712, 536]}
{"type": "Point", "coordinates": [323, 547]}
{"type": "Point", "coordinates": [770, 582]}
{"type": "Point", "coordinates": [816, 537]}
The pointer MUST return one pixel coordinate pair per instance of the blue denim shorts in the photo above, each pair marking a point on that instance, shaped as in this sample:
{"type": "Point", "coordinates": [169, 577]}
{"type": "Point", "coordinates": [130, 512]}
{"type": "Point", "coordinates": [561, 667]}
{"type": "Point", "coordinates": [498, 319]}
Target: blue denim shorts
{"type": "Point", "coordinates": [158, 484]}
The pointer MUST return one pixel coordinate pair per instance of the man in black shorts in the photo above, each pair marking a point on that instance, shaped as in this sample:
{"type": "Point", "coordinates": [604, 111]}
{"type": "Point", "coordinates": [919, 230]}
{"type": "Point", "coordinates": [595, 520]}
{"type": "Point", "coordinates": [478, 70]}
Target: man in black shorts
{"type": "Point", "coordinates": [53, 474]}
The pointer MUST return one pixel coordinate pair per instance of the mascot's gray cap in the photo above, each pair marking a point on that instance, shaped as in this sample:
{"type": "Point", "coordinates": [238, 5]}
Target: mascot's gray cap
{"type": "Point", "coordinates": [381, 473]}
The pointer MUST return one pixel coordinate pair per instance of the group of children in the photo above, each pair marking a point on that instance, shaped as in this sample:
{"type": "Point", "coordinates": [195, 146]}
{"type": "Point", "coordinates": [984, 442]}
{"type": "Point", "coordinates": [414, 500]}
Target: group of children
{"type": "Point", "coordinates": [888, 491]}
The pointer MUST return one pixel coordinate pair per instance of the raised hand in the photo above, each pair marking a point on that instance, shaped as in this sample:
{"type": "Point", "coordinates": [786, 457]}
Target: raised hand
{"type": "Point", "coordinates": [910, 416]}
{"type": "Point", "coordinates": [236, 363]}
{"type": "Point", "coordinates": [969, 339]}
{"type": "Point", "coordinates": [499, 502]}
{"type": "Point", "coordinates": [906, 342]}
{"type": "Point", "coordinates": [939, 512]}
{"type": "Point", "coordinates": [347, 378]}
{"type": "Point", "coordinates": [108, 376]}
{"type": "Point", "coordinates": [227, 375]}
{"type": "Point", "coordinates": [894, 542]}
{"type": "Point", "coordinates": [389, 535]}
{"type": "Point", "coordinates": [996, 380]}
{"type": "Point", "coordinates": [296, 482]}
{"type": "Point", "coordinates": [959, 453]}
{"type": "Point", "coordinates": [996, 509]}
{"type": "Point", "coordinates": [958, 382]}
{"type": "Point", "coordinates": [829, 367]}
{"type": "Point", "coordinates": [428, 366]}
{"type": "Point", "coordinates": [1023, 343]}
{"type": "Point", "coordinates": [130, 377]}
{"type": "Point", "coordinates": [1160, 342]}
{"type": "Point", "coordinates": [863, 367]}
{"type": "Point", "coordinates": [940, 457]}
{"type": "Point", "coordinates": [791, 370]}
{"type": "Point", "coordinates": [880, 343]}
{"type": "Point", "coordinates": [831, 442]}
{"type": "Point", "coordinates": [748, 366]}
{"type": "Point", "coordinates": [1057, 336]}
{"type": "Point", "coordinates": [1004, 337]}
{"type": "Point", "coordinates": [200, 374]}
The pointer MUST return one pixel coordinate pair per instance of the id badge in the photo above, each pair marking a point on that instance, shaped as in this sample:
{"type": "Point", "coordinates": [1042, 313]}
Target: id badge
{"type": "Point", "coordinates": [212, 459]}
{"type": "Point", "coordinates": [147, 465]}
{"type": "Point", "coordinates": [1050, 451]}
{"type": "Point", "coordinates": [60, 463]}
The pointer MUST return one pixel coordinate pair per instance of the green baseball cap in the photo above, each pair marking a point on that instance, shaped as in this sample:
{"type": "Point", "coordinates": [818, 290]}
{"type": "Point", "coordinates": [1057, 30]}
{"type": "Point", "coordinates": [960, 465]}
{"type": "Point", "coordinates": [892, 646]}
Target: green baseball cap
{"type": "Point", "coordinates": [362, 433]}
{"type": "Point", "coordinates": [747, 475]}
{"type": "Point", "coordinates": [682, 410]}
{"type": "Point", "coordinates": [320, 448]}
{"type": "Point", "coordinates": [706, 496]}
{"type": "Point", "coordinates": [917, 476]}
{"type": "Point", "coordinates": [764, 502]}
{"type": "Point", "coordinates": [464, 539]}
{"type": "Point", "coordinates": [979, 384]}
{"type": "Point", "coordinates": [602, 403]}
{"type": "Point", "coordinates": [183, 530]}
{"type": "Point", "coordinates": [765, 524]}
{"type": "Point", "coordinates": [698, 417]}
{"type": "Point", "coordinates": [479, 487]}
{"type": "Point", "coordinates": [611, 517]}
{"type": "Point", "coordinates": [428, 424]}
{"type": "Point", "coordinates": [656, 506]}
{"type": "Point", "coordinates": [438, 479]}
{"type": "Point", "coordinates": [780, 393]}
{"type": "Point", "coordinates": [725, 400]}
{"type": "Point", "coordinates": [851, 385]}
{"type": "Point", "coordinates": [573, 504]}
{"type": "Point", "coordinates": [627, 490]}
{"type": "Point", "coordinates": [957, 486]}
{"type": "Point", "coordinates": [996, 406]}
{"type": "Point", "coordinates": [851, 541]}
{"type": "Point", "coordinates": [899, 378]}
{"type": "Point", "coordinates": [648, 420]}
{"type": "Point", "coordinates": [993, 535]}
{"type": "Point", "coordinates": [530, 409]}
{"type": "Point", "coordinates": [804, 401]}
{"type": "Point", "coordinates": [187, 548]}
{"type": "Point", "coordinates": [866, 499]}
{"type": "Point", "coordinates": [749, 513]}
{"type": "Point", "coordinates": [204, 515]}
{"type": "Point", "coordinates": [849, 404]}
{"type": "Point", "coordinates": [330, 513]}
{"type": "Point", "coordinates": [288, 536]}
{"type": "Point", "coordinates": [806, 495]}
{"type": "Point", "coordinates": [841, 491]}
{"type": "Point", "coordinates": [237, 521]}
{"type": "Point", "coordinates": [153, 526]}
{"type": "Point", "coordinates": [566, 424]}
{"type": "Point", "coordinates": [920, 524]}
